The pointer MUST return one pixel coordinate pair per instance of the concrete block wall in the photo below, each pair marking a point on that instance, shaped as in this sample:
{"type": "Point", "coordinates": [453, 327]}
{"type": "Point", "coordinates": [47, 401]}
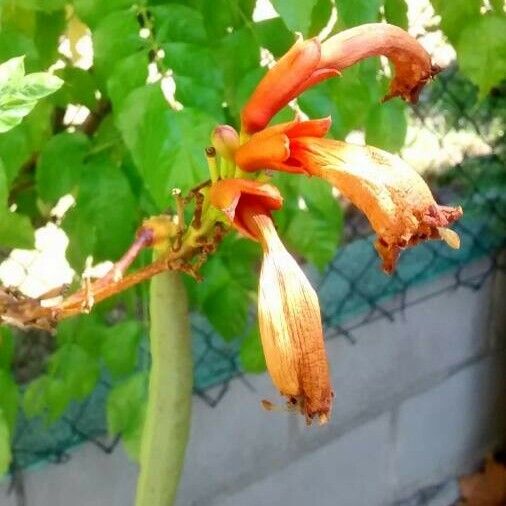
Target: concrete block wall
{"type": "Point", "coordinates": [418, 401]}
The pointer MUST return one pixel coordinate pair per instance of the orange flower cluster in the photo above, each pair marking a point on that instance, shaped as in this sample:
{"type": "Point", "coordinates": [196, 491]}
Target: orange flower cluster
{"type": "Point", "coordinates": [394, 198]}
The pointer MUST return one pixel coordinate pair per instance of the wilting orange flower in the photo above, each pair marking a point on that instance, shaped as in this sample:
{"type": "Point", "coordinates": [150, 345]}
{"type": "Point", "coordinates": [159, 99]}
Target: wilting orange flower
{"type": "Point", "coordinates": [393, 196]}
{"type": "Point", "coordinates": [288, 309]}
{"type": "Point", "coordinates": [309, 62]}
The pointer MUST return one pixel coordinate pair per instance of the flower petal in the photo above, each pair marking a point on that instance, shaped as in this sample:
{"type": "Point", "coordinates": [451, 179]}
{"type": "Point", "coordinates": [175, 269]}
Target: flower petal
{"type": "Point", "coordinates": [257, 155]}
{"type": "Point", "coordinates": [281, 84]}
{"type": "Point", "coordinates": [229, 195]}
{"type": "Point", "coordinates": [269, 148]}
{"type": "Point", "coordinates": [394, 197]}
{"type": "Point", "coordinates": [290, 327]}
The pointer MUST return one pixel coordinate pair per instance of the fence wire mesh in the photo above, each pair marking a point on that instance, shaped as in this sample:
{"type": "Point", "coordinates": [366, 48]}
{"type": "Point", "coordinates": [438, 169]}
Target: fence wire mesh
{"type": "Point", "coordinates": [353, 291]}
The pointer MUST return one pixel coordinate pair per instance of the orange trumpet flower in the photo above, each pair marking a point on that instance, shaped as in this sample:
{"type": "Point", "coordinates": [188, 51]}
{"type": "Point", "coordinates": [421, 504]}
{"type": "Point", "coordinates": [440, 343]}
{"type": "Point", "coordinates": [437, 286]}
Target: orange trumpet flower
{"type": "Point", "coordinates": [309, 62]}
{"type": "Point", "coordinates": [288, 308]}
{"type": "Point", "coordinates": [294, 72]}
{"type": "Point", "coordinates": [393, 196]}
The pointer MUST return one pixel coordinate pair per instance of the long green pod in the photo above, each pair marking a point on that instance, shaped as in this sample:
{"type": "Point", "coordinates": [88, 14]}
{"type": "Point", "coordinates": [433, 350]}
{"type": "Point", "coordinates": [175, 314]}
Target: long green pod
{"type": "Point", "coordinates": [167, 422]}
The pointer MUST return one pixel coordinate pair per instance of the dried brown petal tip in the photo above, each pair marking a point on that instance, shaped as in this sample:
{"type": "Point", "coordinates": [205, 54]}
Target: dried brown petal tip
{"type": "Point", "coordinates": [413, 67]}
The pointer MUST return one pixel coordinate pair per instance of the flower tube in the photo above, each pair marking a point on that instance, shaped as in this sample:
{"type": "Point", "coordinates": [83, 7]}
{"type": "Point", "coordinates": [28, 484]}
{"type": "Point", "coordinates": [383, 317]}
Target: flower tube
{"type": "Point", "coordinates": [288, 308]}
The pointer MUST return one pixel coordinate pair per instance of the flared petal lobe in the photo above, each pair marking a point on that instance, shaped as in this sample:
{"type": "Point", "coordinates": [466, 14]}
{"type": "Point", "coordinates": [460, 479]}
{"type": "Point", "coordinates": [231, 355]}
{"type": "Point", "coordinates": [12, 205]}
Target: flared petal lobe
{"type": "Point", "coordinates": [270, 148]}
{"type": "Point", "coordinates": [229, 195]}
{"type": "Point", "coordinates": [394, 197]}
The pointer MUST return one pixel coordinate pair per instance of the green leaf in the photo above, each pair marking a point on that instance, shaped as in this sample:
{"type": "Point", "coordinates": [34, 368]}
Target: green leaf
{"type": "Point", "coordinates": [241, 257]}
{"type": "Point", "coordinates": [14, 44]}
{"type": "Point", "coordinates": [167, 146]}
{"type": "Point", "coordinates": [227, 309]}
{"type": "Point", "coordinates": [193, 61]}
{"type": "Point", "coordinates": [105, 211]}
{"type": "Point", "coordinates": [38, 126]}
{"type": "Point", "coordinates": [82, 238]}
{"type": "Point", "coordinates": [396, 13]}
{"type": "Point", "coordinates": [128, 74]}
{"type": "Point", "coordinates": [274, 36]}
{"type": "Point", "coordinates": [319, 102]}
{"type": "Point", "coordinates": [356, 12]}
{"type": "Point", "coordinates": [132, 439]}
{"type": "Point", "coordinates": [79, 88]}
{"type": "Point", "coordinates": [34, 399]}
{"type": "Point", "coordinates": [251, 354]}
{"type": "Point", "coordinates": [498, 6]}
{"type": "Point", "coordinates": [4, 190]}
{"type": "Point", "coordinates": [238, 54]}
{"type": "Point", "coordinates": [57, 398]}
{"type": "Point", "coordinates": [36, 86]}
{"type": "Point", "coordinates": [93, 11]}
{"type": "Point", "coordinates": [12, 72]}
{"type": "Point", "coordinates": [115, 37]}
{"type": "Point", "coordinates": [6, 347]}
{"type": "Point", "coordinates": [119, 348]}
{"type": "Point", "coordinates": [19, 93]}
{"type": "Point", "coordinates": [320, 17]}
{"type": "Point", "coordinates": [178, 23]}
{"type": "Point", "coordinates": [60, 165]}
{"type": "Point", "coordinates": [200, 97]}
{"type": "Point", "coordinates": [76, 368]}
{"type": "Point", "coordinates": [15, 150]}
{"type": "Point", "coordinates": [16, 231]}
{"type": "Point", "coordinates": [87, 331]}
{"type": "Point", "coordinates": [315, 230]}
{"type": "Point", "coordinates": [456, 16]}
{"type": "Point", "coordinates": [50, 5]}
{"type": "Point", "coordinates": [387, 126]}
{"type": "Point", "coordinates": [230, 277]}
{"type": "Point", "coordinates": [481, 51]}
{"type": "Point", "coordinates": [347, 99]}
{"type": "Point", "coordinates": [9, 399]}
{"type": "Point", "coordinates": [48, 397]}
{"type": "Point", "coordinates": [126, 408]}
{"type": "Point", "coordinates": [198, 77]}
{"type": "Point", "coordinates": [222, 16]}
{"type": "Point", "coordinates": [49, 27]}
{"type": "Point", "coordinates": [5, 445]}
{"type": "Point", "coordinates": [296, 15]}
